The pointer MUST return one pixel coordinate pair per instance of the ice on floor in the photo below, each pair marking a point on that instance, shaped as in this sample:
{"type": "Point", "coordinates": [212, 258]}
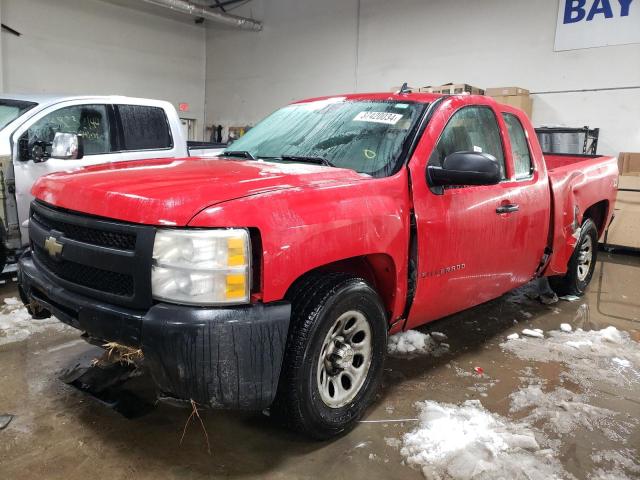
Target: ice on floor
{"type": "Point", "coordinates": [468, 442]}
{"type": "Point", "coordinates": [565, 327]}
{"type": "Point", "coordinates": [439, 336]}
{"type": "Point", "coordinates": [413, 342]}
{"type": "Point", "coordinates": [588, 355]}
{"type": "Point", "coordinates": [12, 301]}
{"type": "Point", "coordinates": [615, 465]}
{"type": "Point", "coordinates": [532, 333]}
{"type": "Point", "coordinates": [570, 298]}
{"type": "Point", "coordinates": [16, 324]}
{"type": "Point", "coordinates": [561, 411]}
{"type": "Point", "coordinates": [621, 362]}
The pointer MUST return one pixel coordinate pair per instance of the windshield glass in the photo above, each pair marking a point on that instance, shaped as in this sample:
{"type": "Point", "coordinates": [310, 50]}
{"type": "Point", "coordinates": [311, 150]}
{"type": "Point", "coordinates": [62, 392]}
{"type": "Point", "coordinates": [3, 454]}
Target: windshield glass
{"type": "Point", "coordinates": [365, 136]}
{"type": "Point", "coordinates": [12, 109]}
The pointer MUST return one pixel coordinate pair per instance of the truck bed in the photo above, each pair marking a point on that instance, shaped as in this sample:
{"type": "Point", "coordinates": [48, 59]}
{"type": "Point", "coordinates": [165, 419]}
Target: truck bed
{"type": "Point", "coordinates": [558, 160]}
{"type": "Point", "coordinates": [579, 184]}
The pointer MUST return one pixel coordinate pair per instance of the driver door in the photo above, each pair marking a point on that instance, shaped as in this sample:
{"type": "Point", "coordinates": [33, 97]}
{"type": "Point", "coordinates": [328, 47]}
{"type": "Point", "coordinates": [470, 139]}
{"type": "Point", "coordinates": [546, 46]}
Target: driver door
{"type": "Point", "coordinates": [90, 121]}
{"type": "Point", "coordinates": [461, 261]}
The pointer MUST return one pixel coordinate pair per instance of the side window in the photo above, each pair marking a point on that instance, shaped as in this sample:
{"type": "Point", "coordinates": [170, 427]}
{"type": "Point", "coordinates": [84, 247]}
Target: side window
{"type": "Point", "coordinates": [519, 147]}
{"type": "Point", "coordinates": [144, 128]}
{"type": "Point", "coordinates": [90, 121]}
{"type": "Point", "coordinates": [470, 129]}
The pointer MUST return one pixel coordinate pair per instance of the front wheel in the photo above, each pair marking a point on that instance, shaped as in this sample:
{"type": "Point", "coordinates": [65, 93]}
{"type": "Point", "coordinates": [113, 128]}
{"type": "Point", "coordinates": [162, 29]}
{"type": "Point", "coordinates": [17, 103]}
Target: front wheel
{"type": "Point", "coordinates": [581, 264]}
{"type": "Point", "coordinates": [334, 355]}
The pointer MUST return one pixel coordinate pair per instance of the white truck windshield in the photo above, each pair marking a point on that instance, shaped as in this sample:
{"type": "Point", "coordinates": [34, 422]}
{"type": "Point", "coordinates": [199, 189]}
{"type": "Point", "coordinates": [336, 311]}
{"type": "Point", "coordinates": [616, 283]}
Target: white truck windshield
{"type": "Point", "coordinates": [12, 109]}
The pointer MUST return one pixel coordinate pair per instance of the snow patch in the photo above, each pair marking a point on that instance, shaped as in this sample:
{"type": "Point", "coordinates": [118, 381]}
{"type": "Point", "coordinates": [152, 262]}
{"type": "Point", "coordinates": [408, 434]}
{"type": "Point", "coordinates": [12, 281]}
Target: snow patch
{"type": "Point", "coordinates": [413, 342]}
{"type": "Point", "coordinates": [561, 411]}
{"type": "Point", "coordinates": [16, 324]}
{"type": "Point", "coordinates": [468, 442]}
{"type": "Point", "coordinates": [565, 327]}
{"type": "Point", "coordinates": [624, 363]}
{"type": "Point", "coordinates": [615, 465]}
{"type": "Point", "coordinates": [570, 298]}
{"type": "Point", "coordinates": [393, 442]}
{"type": "Point", "coordinates": [532, 333]}
{"type": "Point", "coordinates": [587, 354]}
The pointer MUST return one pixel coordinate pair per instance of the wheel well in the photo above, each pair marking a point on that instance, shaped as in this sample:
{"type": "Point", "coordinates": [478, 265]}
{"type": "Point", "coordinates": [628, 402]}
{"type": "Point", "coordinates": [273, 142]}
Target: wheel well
{"type": "Point", "coordinates": [598, 212]}
{"type": "Point", "coordinates": [377, 269]}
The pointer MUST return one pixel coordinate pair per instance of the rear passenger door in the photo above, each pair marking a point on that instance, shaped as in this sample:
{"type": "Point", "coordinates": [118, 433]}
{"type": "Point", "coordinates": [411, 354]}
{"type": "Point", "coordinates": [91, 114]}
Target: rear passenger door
{"type": "Point", "coordinates": [111, 133]}
{"type": "Point", "coordinates": [471, 240]}
{"type": "Point", "coordinates": [531, 193]}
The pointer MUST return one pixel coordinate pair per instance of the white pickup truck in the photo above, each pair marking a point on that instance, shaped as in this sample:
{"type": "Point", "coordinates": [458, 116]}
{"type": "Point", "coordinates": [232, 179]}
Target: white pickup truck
{"type": "Point", "coordinates": [105, 128]}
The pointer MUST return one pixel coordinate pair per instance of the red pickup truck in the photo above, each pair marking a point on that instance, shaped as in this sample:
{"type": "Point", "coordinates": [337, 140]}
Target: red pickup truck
{"type": "Point", "coordinates": [272, 276]}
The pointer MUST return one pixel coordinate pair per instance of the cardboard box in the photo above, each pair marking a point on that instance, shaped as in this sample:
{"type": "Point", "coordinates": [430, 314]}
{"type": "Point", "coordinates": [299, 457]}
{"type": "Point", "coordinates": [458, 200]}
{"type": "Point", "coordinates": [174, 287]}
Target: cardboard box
{"type": "Point", "coordinates": [452, 89]}
{"type": "Point", "coordinates": [523, 102]}
{"type": "Point", "coordinates": [629, 163]}
{"type": "Point", "coordinates": [625, 229]}
{"type": "Point", "coordinates": [505, 91]}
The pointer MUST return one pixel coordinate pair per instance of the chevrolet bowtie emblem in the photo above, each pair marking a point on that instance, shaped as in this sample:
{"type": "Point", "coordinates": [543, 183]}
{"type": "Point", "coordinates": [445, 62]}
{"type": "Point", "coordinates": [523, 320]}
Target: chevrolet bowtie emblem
{"type": "Point", "coordinates": [52, 246]}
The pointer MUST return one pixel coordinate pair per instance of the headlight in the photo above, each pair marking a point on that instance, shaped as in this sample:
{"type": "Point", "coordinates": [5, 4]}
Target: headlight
{"type": "Point", "coordinates": [201, 267]}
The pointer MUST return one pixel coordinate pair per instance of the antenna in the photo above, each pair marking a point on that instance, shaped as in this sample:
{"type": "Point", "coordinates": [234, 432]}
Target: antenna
{"type": "Point", "coordinates": [404, 88]}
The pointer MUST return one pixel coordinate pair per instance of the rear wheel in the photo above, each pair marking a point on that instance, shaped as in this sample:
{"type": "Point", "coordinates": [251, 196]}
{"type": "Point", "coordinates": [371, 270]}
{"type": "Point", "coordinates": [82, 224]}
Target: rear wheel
{"type": "Point", "coordinates": [334, 355]}
{"type": "Point", "coordinates": [581, 264]}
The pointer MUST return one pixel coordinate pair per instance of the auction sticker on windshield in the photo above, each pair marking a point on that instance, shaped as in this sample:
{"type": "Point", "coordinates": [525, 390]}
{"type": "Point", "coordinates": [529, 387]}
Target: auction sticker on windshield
{"type": "Point", "coordinates": [378, 117]}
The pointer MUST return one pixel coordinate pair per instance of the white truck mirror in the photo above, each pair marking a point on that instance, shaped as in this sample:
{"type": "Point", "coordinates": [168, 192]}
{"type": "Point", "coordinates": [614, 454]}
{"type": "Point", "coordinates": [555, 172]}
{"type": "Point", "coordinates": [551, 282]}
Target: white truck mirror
{"type": "Point", "coordinates": [67, 146]}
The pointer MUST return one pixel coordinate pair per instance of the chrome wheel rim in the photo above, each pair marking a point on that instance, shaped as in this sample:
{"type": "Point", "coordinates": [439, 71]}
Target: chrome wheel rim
{"type": "Point", "coordinates": [345, 359]}
{"type": "Point", "coordinates": [585, 257]}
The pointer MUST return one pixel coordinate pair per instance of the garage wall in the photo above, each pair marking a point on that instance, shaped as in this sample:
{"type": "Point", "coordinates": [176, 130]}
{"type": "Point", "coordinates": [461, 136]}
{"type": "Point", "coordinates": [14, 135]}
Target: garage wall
{"type": "Point", "coordinates": [312, 48]}
{"type": "Point", "coordinates": [96, 47]}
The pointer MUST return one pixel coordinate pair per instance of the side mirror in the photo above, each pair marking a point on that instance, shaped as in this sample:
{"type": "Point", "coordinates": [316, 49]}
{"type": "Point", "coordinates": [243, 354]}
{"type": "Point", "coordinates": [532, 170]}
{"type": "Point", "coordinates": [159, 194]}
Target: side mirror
{"type": "Point", "coordinates": [465, 168]}
{"type": "Point", "coordinates": [67, 146]}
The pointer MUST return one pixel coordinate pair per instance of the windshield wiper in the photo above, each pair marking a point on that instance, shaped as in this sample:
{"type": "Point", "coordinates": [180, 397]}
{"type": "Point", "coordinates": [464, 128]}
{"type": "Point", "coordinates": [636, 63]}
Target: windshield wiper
{"type": "Point", "coordinates": [303, 159]}
{"type": "Point", "coordinates": [239, 153]}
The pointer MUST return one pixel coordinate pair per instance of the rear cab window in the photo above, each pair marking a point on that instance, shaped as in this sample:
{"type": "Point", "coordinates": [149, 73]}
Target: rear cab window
{"type": "Point", "coordinates": [144, 128]}
{"type": "Point", "coordinates": [520, 152]}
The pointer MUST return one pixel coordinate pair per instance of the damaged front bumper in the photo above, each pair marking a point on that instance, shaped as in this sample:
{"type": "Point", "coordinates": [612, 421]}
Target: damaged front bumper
{"type": "Point", "coordinates": [221, 357]}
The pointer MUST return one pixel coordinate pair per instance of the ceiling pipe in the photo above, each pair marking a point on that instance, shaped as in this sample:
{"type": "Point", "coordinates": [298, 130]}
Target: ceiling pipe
{"type": "Point", "coordinates": [199, 11]}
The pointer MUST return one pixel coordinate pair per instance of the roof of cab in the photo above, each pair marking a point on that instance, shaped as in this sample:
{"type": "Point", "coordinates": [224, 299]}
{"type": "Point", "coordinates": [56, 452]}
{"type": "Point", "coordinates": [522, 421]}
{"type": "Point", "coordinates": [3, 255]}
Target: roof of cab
{"type": "Point", "coordinates": [50, 99]}
{"type": "Point", "coordinates": [398, 97]}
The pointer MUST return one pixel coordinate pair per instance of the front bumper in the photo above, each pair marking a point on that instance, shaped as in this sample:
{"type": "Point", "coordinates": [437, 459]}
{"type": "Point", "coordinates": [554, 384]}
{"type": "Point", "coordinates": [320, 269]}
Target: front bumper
{"type": "Point", "coordinates": [221, 357]}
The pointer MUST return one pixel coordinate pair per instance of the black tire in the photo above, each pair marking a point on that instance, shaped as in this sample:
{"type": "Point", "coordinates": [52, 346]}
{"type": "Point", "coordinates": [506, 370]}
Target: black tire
{"type": "Point", "coordinates": [317, 302]}
{"type": "Point", "coordinates": [572, 283]}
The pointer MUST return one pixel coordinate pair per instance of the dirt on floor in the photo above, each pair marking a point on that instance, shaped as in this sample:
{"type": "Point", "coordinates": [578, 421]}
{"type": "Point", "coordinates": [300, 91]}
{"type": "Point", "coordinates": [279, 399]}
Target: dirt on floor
{"type": "Point", "coordinates": [471, 404]}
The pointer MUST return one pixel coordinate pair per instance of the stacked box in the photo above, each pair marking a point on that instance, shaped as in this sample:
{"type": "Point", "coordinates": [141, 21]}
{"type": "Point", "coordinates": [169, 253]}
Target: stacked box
{"type": "Point", "coordinates": [453, 89]}
{"type": "Point", "coordinates": [624, 231]}
{"type": "Point", "coordinates": [513, 96]}
{"type": "Point", "coordinates": [629, 163]}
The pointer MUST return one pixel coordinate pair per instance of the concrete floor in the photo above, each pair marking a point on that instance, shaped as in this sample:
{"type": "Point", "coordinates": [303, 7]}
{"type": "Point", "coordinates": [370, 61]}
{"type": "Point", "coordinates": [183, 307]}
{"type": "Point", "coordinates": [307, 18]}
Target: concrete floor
{"type": "Point", "coordinates": [59, 432]}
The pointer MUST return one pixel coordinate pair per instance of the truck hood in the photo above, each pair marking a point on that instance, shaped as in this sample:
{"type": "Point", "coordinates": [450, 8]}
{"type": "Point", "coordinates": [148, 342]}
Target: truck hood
{"type": "Point", "coordinates": [171, 191]}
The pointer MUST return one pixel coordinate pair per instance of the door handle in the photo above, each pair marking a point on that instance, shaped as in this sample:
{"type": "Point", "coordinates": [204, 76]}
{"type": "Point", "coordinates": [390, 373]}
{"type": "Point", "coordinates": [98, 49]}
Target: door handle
{"type": "Point", "coordinates": [508, 208]}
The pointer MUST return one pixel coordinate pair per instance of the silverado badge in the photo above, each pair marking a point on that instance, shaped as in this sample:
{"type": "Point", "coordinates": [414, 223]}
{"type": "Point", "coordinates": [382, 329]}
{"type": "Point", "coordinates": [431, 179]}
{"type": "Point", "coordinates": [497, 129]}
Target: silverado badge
{"type": "Point", "coordinates": [52, 246]}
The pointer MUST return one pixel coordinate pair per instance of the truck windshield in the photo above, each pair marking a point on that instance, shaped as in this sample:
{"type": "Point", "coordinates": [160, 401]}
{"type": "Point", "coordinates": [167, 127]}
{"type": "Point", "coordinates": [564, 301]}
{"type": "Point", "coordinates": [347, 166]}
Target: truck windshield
{"type": "Point", "coordinates": [12, 109]}
{"type": "Point", "coordinates": [365, 136]}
